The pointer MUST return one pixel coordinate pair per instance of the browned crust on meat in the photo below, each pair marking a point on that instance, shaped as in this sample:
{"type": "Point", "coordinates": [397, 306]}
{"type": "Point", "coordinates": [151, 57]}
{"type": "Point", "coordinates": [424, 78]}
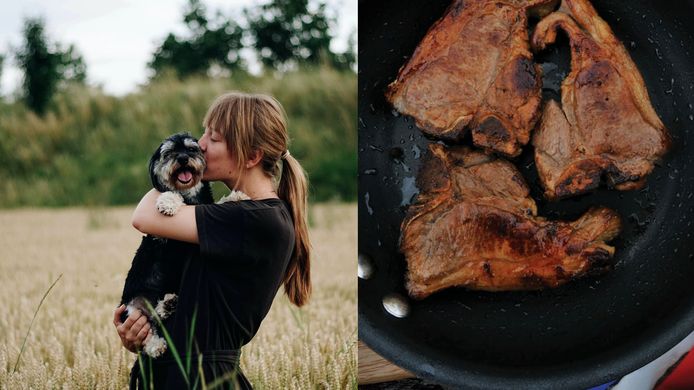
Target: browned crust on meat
{"type": "Point", "coordinates": [478, 229]}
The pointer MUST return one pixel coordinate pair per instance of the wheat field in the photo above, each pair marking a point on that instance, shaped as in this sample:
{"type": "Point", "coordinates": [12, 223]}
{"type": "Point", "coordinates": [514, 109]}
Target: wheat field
{"type": "Point", "coordinates": [72, 343]}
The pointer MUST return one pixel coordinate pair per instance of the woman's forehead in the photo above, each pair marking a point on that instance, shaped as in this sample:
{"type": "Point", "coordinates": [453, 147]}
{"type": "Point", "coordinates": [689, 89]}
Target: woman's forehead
{"type": "Point", "coordinates": [212, 131]}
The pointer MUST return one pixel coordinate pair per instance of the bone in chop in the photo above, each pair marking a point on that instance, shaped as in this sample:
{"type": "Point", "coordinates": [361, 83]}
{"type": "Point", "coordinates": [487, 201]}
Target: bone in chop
{"type": "Point", "coordinates": [474, 69]}
{"type": "Point", "coordinates": [475, 225]}
{"type": "Point", "coordinates": [606, 127]}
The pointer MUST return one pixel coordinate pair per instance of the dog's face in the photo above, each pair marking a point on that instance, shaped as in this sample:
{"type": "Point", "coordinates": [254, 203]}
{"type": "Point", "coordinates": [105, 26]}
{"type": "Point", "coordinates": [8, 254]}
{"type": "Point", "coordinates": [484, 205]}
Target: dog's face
{"type": "Point", "coordinates": [178, 164]}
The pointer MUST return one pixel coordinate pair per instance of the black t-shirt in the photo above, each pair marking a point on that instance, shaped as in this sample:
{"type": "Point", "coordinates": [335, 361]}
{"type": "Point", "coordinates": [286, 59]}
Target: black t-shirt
{"type": "Point", "coordinates": [245, 247]}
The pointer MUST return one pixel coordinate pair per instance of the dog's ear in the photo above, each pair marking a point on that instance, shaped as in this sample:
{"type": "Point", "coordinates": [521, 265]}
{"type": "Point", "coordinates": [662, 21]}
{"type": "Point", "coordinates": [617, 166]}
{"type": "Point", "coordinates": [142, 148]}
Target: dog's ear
{"type": "Point", "coordinates": [152, 176]}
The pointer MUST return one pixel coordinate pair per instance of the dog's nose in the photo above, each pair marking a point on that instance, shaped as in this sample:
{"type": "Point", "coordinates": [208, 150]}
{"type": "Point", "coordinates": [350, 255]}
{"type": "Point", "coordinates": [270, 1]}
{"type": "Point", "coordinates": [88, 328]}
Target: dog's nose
{"type": "Point", "coordinates": [182, 160]}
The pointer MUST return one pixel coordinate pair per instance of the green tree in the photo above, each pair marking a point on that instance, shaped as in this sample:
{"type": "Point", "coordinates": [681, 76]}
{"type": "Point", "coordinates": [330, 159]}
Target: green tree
{"type": "Point", "coordinates": [45, 65]}
{"type": "Point", "coordinates": [210, 42]}
{"type": "Point", "coordinates": [293, 31]}
{"type": "Point", "coordinates": [71, 66]}
{"type": "Point", "coordinates": [40, 66]}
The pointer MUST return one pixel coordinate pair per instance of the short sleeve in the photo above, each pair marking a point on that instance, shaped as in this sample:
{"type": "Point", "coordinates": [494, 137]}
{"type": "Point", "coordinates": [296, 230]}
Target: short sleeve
{"type": "Point", "coordinates": [220, 228]}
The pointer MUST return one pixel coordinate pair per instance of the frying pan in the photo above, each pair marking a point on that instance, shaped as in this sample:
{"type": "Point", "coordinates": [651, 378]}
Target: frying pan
{"type": "Point", "coordinates": [583, 334]}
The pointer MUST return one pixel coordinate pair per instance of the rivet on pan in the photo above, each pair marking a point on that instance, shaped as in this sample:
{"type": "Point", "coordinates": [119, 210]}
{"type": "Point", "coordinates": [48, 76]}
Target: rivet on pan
{"type": "Point", "coordinates": [396, 305]}
{"type": "Point", "coordinates": [365, 268]}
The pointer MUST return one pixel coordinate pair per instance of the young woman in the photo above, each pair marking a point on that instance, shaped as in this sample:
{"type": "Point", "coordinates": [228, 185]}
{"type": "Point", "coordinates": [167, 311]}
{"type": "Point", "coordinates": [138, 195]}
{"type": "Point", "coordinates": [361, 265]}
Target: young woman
{"type": "Point", "coordinates": [247, 248]}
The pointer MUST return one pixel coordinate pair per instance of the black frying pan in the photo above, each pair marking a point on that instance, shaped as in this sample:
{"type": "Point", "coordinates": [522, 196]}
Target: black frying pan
{"type": "Point", "coordinates": [586, 333]}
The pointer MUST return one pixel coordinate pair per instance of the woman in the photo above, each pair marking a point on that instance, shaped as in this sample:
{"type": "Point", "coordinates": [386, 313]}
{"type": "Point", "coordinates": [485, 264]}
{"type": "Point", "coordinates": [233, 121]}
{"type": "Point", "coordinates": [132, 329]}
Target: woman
{"type": "Point", "coordinates": [247, 248]}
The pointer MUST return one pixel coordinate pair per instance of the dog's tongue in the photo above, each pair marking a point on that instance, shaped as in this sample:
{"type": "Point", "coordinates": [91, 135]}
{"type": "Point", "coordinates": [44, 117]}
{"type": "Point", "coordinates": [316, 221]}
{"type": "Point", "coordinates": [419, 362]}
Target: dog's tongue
{"type": "Point", "coordinates": [185, 176]}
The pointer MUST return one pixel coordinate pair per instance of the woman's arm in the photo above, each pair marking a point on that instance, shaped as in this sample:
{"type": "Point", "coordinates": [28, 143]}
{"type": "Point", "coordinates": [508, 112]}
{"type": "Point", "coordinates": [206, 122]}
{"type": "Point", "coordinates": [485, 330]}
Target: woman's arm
{"type": "Point", "coordinates": [149, 220]}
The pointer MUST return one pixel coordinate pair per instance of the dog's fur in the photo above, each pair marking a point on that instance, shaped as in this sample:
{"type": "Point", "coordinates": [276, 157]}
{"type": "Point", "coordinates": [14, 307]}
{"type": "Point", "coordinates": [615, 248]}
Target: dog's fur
{"type": "Point", "coordinates": [176, 170]}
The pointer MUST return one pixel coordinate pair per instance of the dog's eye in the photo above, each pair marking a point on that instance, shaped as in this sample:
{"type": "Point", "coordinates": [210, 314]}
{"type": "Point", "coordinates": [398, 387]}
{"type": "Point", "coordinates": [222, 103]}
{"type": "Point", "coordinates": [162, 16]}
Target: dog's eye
{"type": "Point", "coordinates": [192, 149]}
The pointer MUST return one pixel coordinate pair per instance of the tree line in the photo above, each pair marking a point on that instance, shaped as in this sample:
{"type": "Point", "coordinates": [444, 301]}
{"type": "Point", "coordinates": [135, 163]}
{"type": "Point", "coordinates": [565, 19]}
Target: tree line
{"type": "Point", "coordinates": [284, 34]}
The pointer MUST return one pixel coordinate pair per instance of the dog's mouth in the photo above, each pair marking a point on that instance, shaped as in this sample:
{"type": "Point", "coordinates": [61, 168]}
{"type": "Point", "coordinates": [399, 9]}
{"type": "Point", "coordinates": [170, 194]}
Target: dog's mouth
{"type": "Point", "coordinates": [184, 175]}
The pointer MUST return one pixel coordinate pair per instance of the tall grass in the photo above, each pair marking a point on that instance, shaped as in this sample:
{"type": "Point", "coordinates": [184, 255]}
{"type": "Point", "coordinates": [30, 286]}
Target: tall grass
{"type": "Point", "coordinates": [92, 149]}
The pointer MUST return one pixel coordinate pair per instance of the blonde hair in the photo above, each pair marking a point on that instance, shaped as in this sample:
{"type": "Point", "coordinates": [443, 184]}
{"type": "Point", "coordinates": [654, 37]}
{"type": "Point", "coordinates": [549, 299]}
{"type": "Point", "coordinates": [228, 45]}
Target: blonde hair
{"type": "Point", "coordinates": [255, 122]}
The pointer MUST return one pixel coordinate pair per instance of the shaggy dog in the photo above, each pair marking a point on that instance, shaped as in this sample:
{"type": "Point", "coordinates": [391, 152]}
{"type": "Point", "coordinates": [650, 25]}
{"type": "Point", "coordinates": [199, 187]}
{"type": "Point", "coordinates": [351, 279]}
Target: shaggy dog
{"type": "Point", "coordinates": [176, 170]}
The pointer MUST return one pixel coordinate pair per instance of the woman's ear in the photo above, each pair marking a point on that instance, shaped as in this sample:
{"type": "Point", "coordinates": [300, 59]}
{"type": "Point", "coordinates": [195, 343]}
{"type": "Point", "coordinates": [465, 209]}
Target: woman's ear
{"type": "Point", "coordinates": [254, 159]}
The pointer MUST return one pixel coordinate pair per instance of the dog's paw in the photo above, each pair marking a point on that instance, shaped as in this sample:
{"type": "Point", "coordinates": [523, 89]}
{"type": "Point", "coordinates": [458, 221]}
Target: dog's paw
{"type": "Point", "coordinates": [166, 306]}
{"type": "Point", "coordinates": [156, 346]}
{"type": "Point", "coordinates": [234, 196]}
{"type": "Point", "coordinates": [169, 202]}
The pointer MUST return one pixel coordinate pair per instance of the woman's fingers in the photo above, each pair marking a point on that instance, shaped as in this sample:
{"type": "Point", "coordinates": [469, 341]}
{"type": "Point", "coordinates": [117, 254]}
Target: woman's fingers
{"type": "Point", "coordinates": [135, 329]}
{"type": "Point", "coordinates": [132, 317]}
{"type": "Point", "coordinates": [124, 327]}
{"type": "Point", "coordinates": [143, 333]}
{"type": "Point", "coordinates": [117, 314]}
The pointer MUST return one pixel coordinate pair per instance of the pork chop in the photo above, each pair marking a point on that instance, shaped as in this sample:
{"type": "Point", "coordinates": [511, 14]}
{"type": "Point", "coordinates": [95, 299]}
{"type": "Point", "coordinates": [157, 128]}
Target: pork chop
{"type": "Point", "coordinates": [475, 225]}
{"type": "Point", "coordinates": [606, 129]}
{"type": "Point", "coordinates": [473, 69]}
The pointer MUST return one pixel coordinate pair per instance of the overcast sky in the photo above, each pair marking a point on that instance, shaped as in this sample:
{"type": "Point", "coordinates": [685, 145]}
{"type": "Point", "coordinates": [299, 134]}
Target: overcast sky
{"type": "Point", "coordinates": [118, 38]}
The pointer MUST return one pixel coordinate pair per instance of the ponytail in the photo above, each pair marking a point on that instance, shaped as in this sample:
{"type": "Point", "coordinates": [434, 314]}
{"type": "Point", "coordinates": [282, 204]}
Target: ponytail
{"type": "Point", "coordinates": [293, 189]}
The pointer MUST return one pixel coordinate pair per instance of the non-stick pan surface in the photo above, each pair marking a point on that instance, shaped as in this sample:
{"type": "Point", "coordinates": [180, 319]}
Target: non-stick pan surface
{"type": "Point", "coordinates": [586, 333]}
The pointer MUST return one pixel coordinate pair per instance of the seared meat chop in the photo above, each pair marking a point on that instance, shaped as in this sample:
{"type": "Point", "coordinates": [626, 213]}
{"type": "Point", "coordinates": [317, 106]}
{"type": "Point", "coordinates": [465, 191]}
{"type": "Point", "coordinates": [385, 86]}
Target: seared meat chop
{"type": "Point", "coordinates": [474, 69]}
{"type": "Point", "coordinates": [606, 127]}
{"type": "Point", "coordinates": [474, 225]}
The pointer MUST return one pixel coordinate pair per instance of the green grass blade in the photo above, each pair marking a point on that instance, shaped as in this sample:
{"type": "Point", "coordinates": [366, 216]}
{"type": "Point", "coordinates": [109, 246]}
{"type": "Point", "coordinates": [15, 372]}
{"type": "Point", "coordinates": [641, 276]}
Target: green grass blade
{"type": "Point", "coordinates": [201, 374]}
{"type": "Point", "coordinates": [189, 349]}
{"type": "Point", "coordinates": [170, 343]}
{"type": "Point", "coordinates": [228, 377]}
{"type": "Point", "coordinates": [143, 373]}
{"type": "Point", "coordinates": [32, 323]}
{"type": "Point", "coordinates": [298, 317]}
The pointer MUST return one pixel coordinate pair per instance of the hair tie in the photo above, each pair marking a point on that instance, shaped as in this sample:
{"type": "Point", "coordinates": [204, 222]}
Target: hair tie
{"type": "Point", "coordinates": [285, 155]}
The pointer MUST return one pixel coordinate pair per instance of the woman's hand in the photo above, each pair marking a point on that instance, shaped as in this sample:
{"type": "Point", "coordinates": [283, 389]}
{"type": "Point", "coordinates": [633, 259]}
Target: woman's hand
{"type": "Point", "coordinates": [134, 332]}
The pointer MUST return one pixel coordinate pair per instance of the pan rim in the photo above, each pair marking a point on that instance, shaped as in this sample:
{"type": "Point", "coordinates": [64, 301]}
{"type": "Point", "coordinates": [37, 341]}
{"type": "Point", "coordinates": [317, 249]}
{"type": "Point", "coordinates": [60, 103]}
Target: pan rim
{"type": "Point", "coordinates": [594, 371]}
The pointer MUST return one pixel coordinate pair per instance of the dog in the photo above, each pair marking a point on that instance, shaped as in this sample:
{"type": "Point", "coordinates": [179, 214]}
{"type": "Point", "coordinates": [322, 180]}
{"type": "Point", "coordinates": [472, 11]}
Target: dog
{"type": "Point", "coordinates": [176, 170]}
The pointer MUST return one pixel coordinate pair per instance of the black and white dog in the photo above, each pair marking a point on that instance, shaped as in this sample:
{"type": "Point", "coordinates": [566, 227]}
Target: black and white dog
{"type": "Point", "coordinates": [176, 170]}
